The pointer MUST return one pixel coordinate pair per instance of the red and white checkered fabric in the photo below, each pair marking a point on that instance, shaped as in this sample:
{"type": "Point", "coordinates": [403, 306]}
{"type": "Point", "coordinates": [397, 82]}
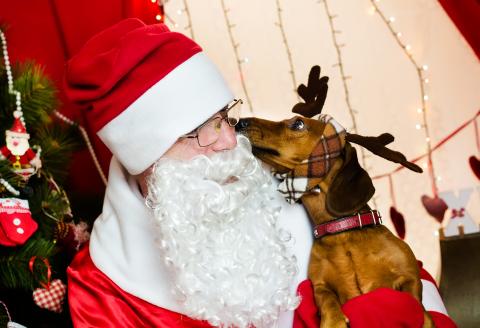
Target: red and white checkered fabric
{"type": "Point", "coordinates": [51, 298]}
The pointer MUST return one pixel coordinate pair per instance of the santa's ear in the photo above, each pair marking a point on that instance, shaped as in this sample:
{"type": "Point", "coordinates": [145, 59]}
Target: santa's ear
{"type": "Point", "coordinates": [351, 188]}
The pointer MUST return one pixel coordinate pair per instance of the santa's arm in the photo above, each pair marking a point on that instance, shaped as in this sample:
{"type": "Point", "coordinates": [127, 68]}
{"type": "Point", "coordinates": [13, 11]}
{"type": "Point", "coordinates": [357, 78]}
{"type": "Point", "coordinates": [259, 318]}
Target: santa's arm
{"type": "Point", "coordinates": [383, 307]}
{"type": "Point", "coordinates": [4, 153]}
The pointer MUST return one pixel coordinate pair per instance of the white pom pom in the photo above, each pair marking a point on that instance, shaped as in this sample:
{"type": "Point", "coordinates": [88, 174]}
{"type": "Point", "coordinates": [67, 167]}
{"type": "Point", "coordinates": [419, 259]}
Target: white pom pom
{"type": "Point", "coordinates": [17, 114]}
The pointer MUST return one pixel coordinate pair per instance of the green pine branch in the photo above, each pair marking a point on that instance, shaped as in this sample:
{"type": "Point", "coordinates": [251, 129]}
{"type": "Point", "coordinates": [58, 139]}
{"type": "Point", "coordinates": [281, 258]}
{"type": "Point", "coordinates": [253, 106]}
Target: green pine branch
{"type": "Point", "coordinates": [14, 271]}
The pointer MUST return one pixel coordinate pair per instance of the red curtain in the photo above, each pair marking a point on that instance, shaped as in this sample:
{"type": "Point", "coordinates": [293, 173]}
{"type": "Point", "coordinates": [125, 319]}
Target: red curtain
{"type": "Point", "coordinates": [50, 32]}
{"type": "Point", "coordinates": [466, 16]}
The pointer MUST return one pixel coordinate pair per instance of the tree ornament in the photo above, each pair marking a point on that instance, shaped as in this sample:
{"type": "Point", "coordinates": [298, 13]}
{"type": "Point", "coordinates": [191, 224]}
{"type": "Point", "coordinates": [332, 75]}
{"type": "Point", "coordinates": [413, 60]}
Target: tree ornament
{"type": "Point", "coordinates": [16, 222]}
{"type": "Point", "coordinates": [71, 235]}
{"type": "Point", "coordinates": [25, 161]}
{"type": "Point", "coordinates": [10, 323]}
{"type": "Point", "coordinates": [17, 149]}
{"type": "Point", "coordinates": [435, 206]}
{"type": "Point", "coordinates": [52, 295]}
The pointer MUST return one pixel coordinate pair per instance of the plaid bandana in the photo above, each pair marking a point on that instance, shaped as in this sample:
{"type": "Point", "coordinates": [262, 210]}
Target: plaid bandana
{"type": "Point", "coordinates": [294, 184]}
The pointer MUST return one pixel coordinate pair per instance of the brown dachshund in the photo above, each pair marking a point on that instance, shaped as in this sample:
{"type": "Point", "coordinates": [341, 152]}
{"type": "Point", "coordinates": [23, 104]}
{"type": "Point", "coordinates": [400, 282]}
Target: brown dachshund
{"type": "Point", "coordinates": [353, 253]}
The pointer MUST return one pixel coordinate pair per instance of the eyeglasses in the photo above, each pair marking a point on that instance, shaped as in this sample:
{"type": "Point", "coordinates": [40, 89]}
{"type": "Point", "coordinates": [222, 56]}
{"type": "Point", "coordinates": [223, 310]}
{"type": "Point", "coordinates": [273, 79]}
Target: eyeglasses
{"type": "Point", "coordinates": [208, 133]}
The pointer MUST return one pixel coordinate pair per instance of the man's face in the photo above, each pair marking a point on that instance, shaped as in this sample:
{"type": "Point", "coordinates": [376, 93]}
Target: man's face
{"type": "Point", "coordinates": [187, 148]}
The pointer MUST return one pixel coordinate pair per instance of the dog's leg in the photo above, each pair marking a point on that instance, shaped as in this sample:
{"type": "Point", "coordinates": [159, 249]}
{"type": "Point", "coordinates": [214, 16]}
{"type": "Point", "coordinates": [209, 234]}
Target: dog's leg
{"type": "Point", "coordinates": [331, 314]}
{"type": "Point", "coordinates": [414, 287]}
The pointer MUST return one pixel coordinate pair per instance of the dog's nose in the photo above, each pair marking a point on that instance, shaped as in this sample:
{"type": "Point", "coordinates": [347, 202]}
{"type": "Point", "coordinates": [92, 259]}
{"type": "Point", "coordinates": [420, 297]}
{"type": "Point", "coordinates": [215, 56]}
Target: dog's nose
{"type": "Point", "coordinates": [241, 125]}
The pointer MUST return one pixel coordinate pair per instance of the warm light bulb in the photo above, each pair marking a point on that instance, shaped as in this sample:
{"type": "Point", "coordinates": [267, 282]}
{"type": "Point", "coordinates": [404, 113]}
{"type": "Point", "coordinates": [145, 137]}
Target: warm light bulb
{"type": "Point", "coordinates": [439, 178]}
{"type": "Point", "coordinates": [399, 34]}
{"type": "Point", "coordinates": [419, 110]}
{"type": "Point", "coordinates": [179, 11]}
{"type": "Point", "coordinates": [391, 19]}
{"type": "Point", "coordinates": [408, 47]}
{"type": "Point", "coordinates": [426, 80]}
{"type": "Point", "coordinates": [425, 166]}
{"type": "Point", "coordinates": [158, 17]}
{"type": "Point", "coordinates": [153, 1]}
{"type": "Point", "coordinates": [176, 24]}
{"type": "Point", "coordinates": [246, 60]}
{"type": "Point", "coordinates": [425, 67]}
{"type": "Point", "coordinates": [418, 126]}
{"type": "Point", "coordinates": [427, 139]}
{"type": "Point", "coordinates": [425, 97]}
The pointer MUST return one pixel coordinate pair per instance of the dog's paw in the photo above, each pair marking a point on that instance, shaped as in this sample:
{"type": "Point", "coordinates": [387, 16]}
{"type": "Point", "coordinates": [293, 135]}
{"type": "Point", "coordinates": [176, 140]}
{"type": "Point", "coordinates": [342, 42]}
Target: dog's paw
{"type": "Point", "coordinates": [338, 323]}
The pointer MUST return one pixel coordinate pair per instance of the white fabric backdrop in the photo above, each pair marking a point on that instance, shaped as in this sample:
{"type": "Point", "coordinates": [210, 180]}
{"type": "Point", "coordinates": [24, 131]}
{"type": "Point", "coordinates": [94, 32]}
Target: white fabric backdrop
{"type": "Point", "coordinates": [384, 87]}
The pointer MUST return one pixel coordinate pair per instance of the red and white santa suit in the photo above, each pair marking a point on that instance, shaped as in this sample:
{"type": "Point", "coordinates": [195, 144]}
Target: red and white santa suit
{"type": "Point", "coordinates": [132, 79]}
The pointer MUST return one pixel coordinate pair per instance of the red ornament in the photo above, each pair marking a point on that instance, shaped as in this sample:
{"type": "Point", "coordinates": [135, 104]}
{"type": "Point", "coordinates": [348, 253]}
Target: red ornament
{"type": "Point", "coordinates": [16, 223]}
{"type": "Point", "coordinates": [51, 298]}
{"type": "Point", "coordinates": [398, 222]}
{"type": "Point", "coordinates": [52, 295]}
{"type": "Point", "coordinates": [436, 207]}
{"type": "Point", "coordinates": [17, 149]}
{"type": "Point", "coordinates": [475, 165]}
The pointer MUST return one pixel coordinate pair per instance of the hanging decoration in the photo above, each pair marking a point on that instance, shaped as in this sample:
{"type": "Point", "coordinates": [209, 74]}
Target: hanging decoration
{"type": "Point", "coordinates": [10, 323]}
{"type": "Point", "coordinates": [475, 161]}
{"type": "Point", "coordinates": [240, 62]}
{"type": "Point", "coordinates": [460, 221]}
{"type": "Point", "coordinates": [16, 222]}
{"type": "Point", "coordinates": [287, 48]}
{"type": "Point", "coordinates": [52, 294]}
{"type": "Point", "coordinates": [434, 205]}
{"type": "Point", "coordinates": [397, 218]}
{"type": "Point", "coordinates": [17, 150]}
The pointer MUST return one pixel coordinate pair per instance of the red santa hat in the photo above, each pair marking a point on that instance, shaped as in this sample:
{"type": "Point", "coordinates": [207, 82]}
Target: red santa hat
{"type": "Point", "coordinates": [143, 86]}
{"type": "Point", "coordinates": [18, 129]}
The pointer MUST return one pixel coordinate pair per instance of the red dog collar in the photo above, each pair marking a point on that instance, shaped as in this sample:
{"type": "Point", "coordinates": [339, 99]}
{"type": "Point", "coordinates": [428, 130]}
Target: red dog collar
{"type": "Point", "coordinates": [347, 223]}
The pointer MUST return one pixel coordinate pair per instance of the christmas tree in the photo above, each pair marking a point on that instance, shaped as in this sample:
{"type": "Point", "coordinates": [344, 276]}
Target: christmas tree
{"type": "Point", "coordinates": [37, 231]}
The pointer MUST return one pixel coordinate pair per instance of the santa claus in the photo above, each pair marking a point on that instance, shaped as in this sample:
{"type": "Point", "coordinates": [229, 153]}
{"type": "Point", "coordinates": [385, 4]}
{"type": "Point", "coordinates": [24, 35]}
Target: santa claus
{"type": "Point", "coordinates": [17, 149]}
{"type": "Point", "coordinates": [193, 232]}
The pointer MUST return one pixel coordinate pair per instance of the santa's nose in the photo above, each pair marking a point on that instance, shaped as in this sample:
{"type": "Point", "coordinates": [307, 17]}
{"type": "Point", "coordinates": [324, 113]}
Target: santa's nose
{"type": "Point", "coordinates": [15, 143]}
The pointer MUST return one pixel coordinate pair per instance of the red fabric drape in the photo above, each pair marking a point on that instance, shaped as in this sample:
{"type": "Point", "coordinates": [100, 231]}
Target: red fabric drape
{"type": "Point", "coordinates": [466, 16]}
{"type": "Point", "coordinates": [50, 32]}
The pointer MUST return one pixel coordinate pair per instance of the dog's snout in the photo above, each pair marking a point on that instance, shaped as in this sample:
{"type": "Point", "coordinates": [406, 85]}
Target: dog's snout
{"type": "Point", "coordinates": [242, 125]}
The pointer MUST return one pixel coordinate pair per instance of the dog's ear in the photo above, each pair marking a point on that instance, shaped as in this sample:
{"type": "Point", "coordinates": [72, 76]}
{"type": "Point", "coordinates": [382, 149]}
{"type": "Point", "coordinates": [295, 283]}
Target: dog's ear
{"type": "Point", "coordinates": [351, 188]}
{"type": "Point", "coordinates": [377, 146]}
{"type": "Point", "coordinates": [314, 94]}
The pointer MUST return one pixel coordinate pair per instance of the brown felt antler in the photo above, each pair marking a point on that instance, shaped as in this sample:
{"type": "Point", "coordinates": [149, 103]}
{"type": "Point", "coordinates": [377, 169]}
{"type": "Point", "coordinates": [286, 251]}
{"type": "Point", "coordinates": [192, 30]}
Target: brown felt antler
{"type": "Point", "coordinates": [314, 94]}
{"type": "Point", "coordinates": [377, 146]}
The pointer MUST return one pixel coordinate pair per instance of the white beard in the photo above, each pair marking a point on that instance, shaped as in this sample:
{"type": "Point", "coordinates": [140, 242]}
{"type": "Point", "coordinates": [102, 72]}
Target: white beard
{"type": "Point", "coordinates": [219, 237]}
{"type": "Point", "coordinates": [20, 149]}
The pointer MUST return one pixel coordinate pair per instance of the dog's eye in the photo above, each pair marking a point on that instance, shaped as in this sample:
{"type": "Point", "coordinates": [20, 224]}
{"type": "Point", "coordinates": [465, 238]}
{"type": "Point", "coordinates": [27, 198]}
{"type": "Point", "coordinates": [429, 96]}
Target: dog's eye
{"type": "Point", "coordinates": [298, 125]}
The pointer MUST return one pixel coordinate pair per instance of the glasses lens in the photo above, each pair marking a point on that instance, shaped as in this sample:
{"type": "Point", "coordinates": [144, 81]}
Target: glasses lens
{"type": "Point", "coordinates": [233, 112]}
{"type": "Point", "coordinates": [209, 132]}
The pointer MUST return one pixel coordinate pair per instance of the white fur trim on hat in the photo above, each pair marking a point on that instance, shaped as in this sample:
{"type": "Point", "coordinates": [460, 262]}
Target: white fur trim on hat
{"type": "Point", "coordinates": [175, 105]}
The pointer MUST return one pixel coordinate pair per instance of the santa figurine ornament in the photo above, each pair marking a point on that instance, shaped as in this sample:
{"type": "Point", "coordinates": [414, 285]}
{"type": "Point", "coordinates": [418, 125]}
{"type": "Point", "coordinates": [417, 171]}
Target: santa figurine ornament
{"type": "Point", "coordinates": [25, 161]}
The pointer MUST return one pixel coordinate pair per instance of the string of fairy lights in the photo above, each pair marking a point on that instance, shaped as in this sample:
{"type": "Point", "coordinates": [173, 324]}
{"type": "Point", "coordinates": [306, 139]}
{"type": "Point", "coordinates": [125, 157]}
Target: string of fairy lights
{"type": "Point", "coordinates": [287, 47]}
{"type": "Point", "coordinates": [240, 61]}
{"type": "Point", "coordinates": [338, 48]}
{"type": "Point", "coordinates": [423, 81]}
